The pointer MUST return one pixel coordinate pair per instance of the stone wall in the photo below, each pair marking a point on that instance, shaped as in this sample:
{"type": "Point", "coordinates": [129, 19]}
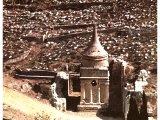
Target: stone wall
{"type": "Point", "coordinates": [115, 88]}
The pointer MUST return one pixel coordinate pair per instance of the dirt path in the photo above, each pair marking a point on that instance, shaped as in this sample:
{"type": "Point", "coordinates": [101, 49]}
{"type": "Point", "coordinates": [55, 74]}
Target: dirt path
{"type": "Point", "coordinates": [14, 114]}
{"type": "Point", "coordinates": [32, 107]}
{"type": "Point", "coordinates": [24, 103]}
{"type": "Point", "coordinates": [17, 105]}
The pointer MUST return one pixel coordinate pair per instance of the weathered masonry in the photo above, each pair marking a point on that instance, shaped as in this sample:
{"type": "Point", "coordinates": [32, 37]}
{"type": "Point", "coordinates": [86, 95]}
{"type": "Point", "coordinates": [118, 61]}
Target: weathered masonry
{"type": "Point", "coordinates": [93, 77]}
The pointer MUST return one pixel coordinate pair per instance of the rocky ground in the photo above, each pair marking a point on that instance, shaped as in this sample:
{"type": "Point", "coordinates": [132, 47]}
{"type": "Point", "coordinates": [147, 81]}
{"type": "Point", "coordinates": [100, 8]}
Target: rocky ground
{"type": "Point", "coordinates": [43, 29]}
{"type": "Point", "coordinates": [26, 105]}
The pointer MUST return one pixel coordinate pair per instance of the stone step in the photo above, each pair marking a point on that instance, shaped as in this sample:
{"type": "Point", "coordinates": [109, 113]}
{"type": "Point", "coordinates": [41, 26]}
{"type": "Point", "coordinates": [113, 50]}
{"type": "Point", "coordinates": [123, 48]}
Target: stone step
{"type": "Point", "coordinates": [89, 108]}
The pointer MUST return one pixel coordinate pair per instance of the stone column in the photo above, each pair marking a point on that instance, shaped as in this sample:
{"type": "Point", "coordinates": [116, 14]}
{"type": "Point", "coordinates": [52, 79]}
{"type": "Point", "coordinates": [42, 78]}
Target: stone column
{"type": "Point", "coordinates": [82, 91]}
{"type": "Point", "coordinates": [91, 99]}
{"type": "Point", "coordinates": [99, 94]}
{"type": "Point", "coordinates": [105, 97]}
{"type": "Point", "coordinates": [107, 92]}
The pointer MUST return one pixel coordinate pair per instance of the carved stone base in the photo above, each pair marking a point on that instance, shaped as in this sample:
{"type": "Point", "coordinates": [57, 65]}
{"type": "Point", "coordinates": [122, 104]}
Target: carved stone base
{"type": "Point", "coordinates": [91, 107]}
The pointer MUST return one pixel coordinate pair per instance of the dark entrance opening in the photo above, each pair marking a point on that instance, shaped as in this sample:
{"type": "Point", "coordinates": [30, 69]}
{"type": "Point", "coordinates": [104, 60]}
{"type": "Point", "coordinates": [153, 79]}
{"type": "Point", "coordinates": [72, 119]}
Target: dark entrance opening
{"type": "Point", "coordinates": [72, 103]}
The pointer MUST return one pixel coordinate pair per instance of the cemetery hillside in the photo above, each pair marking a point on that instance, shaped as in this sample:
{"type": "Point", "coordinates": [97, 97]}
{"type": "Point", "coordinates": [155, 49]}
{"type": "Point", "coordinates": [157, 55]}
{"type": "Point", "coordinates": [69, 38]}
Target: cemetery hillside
{"type": "Point", "coordinates": [82, 59]}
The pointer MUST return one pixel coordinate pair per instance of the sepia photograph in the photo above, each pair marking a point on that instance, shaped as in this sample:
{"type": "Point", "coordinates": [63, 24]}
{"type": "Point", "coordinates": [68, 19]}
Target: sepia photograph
{"type": "Point", "coordinates": [79, 60]}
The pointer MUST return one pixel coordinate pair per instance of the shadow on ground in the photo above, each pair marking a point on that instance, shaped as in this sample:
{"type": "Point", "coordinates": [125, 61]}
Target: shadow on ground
{"type": "Point", "coordinates": [105, 114]}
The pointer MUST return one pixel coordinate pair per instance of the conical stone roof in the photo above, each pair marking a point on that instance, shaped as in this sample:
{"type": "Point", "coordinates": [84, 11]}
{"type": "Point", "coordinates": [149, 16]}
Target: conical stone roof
{"type": "Point", "coordinates": [95, 55]}
{"type": "Point", "coordinates": [95, 49]}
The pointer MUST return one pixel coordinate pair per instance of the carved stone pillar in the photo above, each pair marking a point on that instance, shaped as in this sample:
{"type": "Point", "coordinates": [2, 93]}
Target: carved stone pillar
{"type": "Point", "coordinates": [107, 92]}
{"type": "Point", "coordinates": [91, 99]}
{"type": "Point", "coordinates": [99, 97]}
{"type": "Point", "coordinates": [82, 92]}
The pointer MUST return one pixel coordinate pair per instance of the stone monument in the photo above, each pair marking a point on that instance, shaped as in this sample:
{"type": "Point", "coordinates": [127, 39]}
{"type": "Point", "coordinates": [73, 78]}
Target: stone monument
{"type": "Point", "coordinates": [94, 76]}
